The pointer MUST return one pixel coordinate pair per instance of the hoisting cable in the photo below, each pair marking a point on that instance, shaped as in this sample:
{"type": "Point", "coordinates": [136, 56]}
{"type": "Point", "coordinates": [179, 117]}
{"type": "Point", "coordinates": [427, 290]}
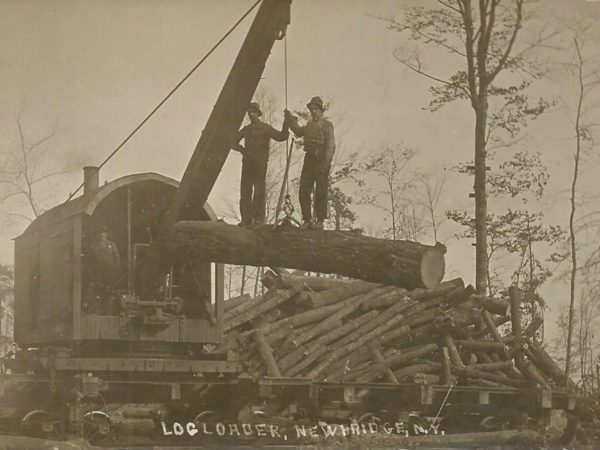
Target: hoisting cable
{"type": "Point", "coordinates": [284, 201]}
{"type": "Point", "coordinates": [177, 86]}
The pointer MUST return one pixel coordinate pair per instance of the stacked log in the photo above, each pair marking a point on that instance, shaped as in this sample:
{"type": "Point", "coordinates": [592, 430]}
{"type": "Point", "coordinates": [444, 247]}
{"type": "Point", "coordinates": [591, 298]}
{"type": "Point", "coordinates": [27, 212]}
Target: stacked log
{"type": "Point", "coordinates": [359, 331]}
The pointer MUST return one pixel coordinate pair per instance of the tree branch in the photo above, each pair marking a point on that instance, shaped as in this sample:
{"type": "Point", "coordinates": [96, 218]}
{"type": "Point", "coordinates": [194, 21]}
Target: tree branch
{"type": "Point", "coordinates": [517, 27]}
{"type": "Point", "coordinates": [417, 69]}
{"type": "Point", "coordinates": [465, 7]}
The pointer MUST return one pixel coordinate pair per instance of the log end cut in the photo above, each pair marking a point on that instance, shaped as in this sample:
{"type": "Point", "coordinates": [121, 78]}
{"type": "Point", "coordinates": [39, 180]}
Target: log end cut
{"type": "Point", "coordinates": [433, 266]}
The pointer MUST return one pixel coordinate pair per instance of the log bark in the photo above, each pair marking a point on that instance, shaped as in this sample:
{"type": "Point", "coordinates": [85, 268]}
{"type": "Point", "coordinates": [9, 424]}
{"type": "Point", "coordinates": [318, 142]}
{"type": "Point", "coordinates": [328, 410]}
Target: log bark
{"type": "Point", "coordinates": [319, 346]}
{"type": "Point", "coordinates": [446, 370]}
{"type": "Point", "coordinates": [235, 301]}
{"type": "Point", "coordinates": [338, 352]}
{"type": "Point", "coordinates": [453, 351]}
{"type": "Point", "coordinates": [351, 290]}
{"type": "Point", "coordinates": [491, 326]}
{"type": "Point", "coordinates": [426, 378]}
{"type": "Point", "coordinates": [240, 308]}
{"type": "Point", "coordinates": [492, 305]}
{"type": "Point", "coordinates": [266, 353]}
{"type": "Point", "coordinates": [409, 371]}
{"type": "Point", "coordinates": [271, 300]}
{"type": "Point", "coordinates": [515, 317]}
{"type": "Point", "coordinates": [396, 360]}
{"type": "Point", "coordinates": [379, 359]}
{"type": "Point", "coordinates": [482, 345]}
{"type": "Point", "coordinates": [491, 366]}
{"type": "Point", "coordinates": [402, 263]}
{"type": "Point", "coordinates": [496, 378]}
{"type": "Point", "coordinates": [545, 362]}
{"type": "Point", "coordinates": [316, 284]}
{"type": "Point", "coordinates": [532, 372]}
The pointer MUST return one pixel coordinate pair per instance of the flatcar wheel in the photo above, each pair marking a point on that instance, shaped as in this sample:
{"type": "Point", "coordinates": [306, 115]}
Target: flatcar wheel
{"type": "Point", "coordinates": [493, 423]}
{"type": "Point", "coordinates": [208, 417]}
{"type": "Point", "coordinates": [368, 418]}
{"type": "Point", "coordinates": [97, 427]}
{"type": "Point", "coordinates": [40, 423]}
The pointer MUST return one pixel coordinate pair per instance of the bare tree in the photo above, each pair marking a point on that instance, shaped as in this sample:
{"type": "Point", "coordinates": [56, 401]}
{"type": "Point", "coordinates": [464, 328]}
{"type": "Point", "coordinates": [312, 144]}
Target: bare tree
{"type": "Point", "coordinates": [587, 75]}
{"type": "Point", "coordinates": [430, 186]}
{"type": "Point", "coordinates": [27, 173]}
{"type": "Point", "coordinates": [390, 166]}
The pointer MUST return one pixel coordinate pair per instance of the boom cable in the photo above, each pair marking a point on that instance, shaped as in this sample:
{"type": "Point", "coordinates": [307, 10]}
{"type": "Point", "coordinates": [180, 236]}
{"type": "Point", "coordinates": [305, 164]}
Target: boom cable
{"type": "Point", "coordinates": [163, 101]}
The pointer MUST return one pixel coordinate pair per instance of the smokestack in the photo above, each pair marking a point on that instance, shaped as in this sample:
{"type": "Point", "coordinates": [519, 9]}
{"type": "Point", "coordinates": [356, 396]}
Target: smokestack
{"type": "Point", "coordinates": [91, 180]}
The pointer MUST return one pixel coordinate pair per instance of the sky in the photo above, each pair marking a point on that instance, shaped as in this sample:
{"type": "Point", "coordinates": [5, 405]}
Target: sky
{"type": "Point", "coordinates": [88, 71]}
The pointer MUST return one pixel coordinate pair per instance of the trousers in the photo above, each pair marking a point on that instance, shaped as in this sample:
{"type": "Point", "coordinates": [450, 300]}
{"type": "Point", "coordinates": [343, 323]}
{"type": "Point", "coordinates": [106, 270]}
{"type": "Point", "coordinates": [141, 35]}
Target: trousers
{"type": "Point", "coordinates": [252, 191]}
{"type": "Point", "coordinates": [314, 181]}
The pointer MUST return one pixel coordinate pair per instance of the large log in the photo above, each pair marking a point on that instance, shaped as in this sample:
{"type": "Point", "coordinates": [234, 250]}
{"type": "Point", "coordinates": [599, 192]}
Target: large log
{"type": "Point", "coordinates": [379, 359]}
{"type": "Point", "coordinates": [271, 300]}
{"type": "Point", "coordinates": [317, 284]}
{"type": "Point", "coordinates": [402, 263]}
{"type": "Point", "coordinates": [235, 301]}
{"type": "Point", "coordinates": [266, 353]}
{"type": "Point", "coordinates": [493, 305]}
{"type": "Point", "coordinates": [545, 362]}
{"type": "Point", "coordinates": [515, 317]}
{"type": "Point", "coordinates": [331, 296]}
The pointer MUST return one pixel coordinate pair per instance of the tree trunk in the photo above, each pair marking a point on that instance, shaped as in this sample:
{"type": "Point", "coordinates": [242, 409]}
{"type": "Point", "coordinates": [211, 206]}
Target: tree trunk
{"type": "Point", "coordinates": [481, 259]}
{"type": "Point", "coordinates": [402, 263]}
{"type": "Point", "coordinates": [572, 236]}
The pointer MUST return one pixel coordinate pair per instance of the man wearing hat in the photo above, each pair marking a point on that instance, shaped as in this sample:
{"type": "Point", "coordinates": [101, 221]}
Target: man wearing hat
{"type": "Point", "coordinates": [105, 272]}
{"type": "Point", "coordinates": [107, 261]}
{"type": "Point", "coordinates": [257, 136]}
{"type": "Point", "coordinates": [319, 145]}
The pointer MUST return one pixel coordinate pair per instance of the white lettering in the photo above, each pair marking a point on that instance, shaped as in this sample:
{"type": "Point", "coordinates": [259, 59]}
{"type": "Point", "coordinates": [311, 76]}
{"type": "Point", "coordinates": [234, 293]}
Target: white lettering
{"type": "Point", "coordinates": [178, 429]}
{"type": "Point", "coordinates": [274, 429]}
{"type": "Point", "coordinates": [373, 428]}
{"type": "Point", "coordinates": [261, 429]}
{"type": "Point", "coordinates": [233, 428]}
{"type": "Point", "coordinates": [418, 429]}
{"type": "Point", "coordinates": [247, 429]}
{"type": "Point", "coordinates": [400, 428]}
{"type": "Point", "coordinates": [313, 432]}
{"type": "Point", "coordinates": [329, 431]}
{"type": "Point", "coordinates": [220, 428]}
{"type": "Point", "coordinates": [191, 429]}
{"type": "Point", "coordinates": [204, 430]}
{"type": "Point", "coordinates": [165, 431]}
{"type": "Point", "coordinates": [300, 431]}
{"type": "Point", "coordinates": [355, 428]}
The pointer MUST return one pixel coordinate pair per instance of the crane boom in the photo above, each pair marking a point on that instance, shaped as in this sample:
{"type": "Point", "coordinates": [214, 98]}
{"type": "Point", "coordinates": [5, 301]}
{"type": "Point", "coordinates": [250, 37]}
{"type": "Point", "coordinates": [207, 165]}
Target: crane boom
{"type": "Point", "coordinates": [227, 115]}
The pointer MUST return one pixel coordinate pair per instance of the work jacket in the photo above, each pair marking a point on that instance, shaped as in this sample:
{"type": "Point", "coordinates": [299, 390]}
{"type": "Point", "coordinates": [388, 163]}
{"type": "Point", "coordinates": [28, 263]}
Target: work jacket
{"type": "Point", "coordinates": [318, 137]}
{"type": "Point", "coordinates": [256, 140]}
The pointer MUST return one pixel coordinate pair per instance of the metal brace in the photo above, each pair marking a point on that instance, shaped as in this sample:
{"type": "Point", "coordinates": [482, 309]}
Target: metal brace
{"type": "Point", "coordinates": [288, 211]}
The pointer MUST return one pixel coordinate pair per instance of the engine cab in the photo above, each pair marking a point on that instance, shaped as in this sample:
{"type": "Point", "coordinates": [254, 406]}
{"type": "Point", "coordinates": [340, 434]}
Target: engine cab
{"type": "Point", "coordinates": [86, 276]}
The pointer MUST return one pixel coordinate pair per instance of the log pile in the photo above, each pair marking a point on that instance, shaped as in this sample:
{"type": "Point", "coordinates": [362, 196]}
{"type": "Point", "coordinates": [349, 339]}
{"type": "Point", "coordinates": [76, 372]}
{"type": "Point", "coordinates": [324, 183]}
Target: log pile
{"type": "Point", "coordinates": [358, 331]}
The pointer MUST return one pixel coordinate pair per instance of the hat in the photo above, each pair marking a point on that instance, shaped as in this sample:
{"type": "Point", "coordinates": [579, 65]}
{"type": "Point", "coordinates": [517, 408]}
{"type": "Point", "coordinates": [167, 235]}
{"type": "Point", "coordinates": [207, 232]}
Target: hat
{"type": "Point", "coordinates": [255, 107]}
{"type": "Point", "coordinates": [316, 101]}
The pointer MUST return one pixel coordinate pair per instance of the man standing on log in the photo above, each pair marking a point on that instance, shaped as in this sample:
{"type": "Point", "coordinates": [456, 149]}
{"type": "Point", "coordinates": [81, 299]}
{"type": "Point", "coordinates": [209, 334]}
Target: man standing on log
{"type": "Point", "coordinates": [319, 145]}
{"type": "Point", "coordinates": [255, 158]}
